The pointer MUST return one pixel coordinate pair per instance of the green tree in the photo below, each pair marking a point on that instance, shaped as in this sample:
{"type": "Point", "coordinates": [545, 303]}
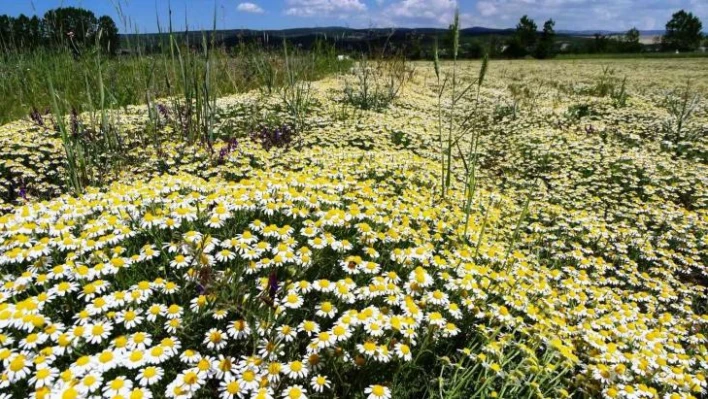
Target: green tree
{"type": "Point", "coordinates": [5, 32]}
{"type": "Point", "coordinates": [514, 48]}
{"type": "Point", "coordinates": [5, 26]}
{"type": "Point", "coordinates": [545, 46]}
{"type": "Point", "coordinates": [75, 25]}
{"type": "Point", "coordinates": [631, 41]}
{"type": "Point", "coordinates": [599, 44]}
{"type": "Point", "coordinates": [526, 33]}
{"type": "Point", "coordinates": [494, 45]}
{"type": "Point", "coordinates": [109, 39]}
{"type": "Point", "coordinates": [70, 26]}
{"type": "Point", "coordinates": [683, 32]}
{"type": "Point", "coordinates": [35, 30]}
{"type": "Point", "coordinates": [20, 31]}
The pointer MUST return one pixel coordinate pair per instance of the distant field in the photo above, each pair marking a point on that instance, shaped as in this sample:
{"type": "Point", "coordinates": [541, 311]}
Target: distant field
{"type": "Point", "coordinates": [646, 55]}
{"type": "Point", "coordinates": [650, 39]}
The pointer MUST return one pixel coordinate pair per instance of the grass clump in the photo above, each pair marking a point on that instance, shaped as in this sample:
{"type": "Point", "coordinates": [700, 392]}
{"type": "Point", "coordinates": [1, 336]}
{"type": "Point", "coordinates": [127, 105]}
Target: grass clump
{"type": "Point", "coordinates": [377, 82]}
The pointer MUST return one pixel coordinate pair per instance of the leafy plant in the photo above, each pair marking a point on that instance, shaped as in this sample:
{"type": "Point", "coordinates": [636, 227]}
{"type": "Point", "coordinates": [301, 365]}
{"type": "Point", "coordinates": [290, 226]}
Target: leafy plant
{"type": "Point", "coordinates": [579, 111]}
{"type": "Point", "coordinates": [378, 82]}
{"type": "Point", "coordinates": [458, 126]}
{"type": "Point", "coordinates": [620, 96]}
{"type": "Point", "coordinates": [266, 67]}
{"type": "Point", "coordinates": [605, 83]}
{"type": "Point", "coordinates": [297, 90]}
{"type": "Point", "coordinates": [520, 92]}
{"type": "Point", "coordinates": [681, 106]}
{"type": "Point", "coordinates": [400, 138]}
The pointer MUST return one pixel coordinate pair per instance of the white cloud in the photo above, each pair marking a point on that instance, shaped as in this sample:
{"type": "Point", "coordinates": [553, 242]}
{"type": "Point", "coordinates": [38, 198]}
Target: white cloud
{"type": "Point", "coordinates": [422, 12]}
{"type": "Point", "coordinates": [318, 8]}
{"type": "Point", "coordinates": [486, 8]}
{"type": "Point", "coordinates": [583, 14]}
{"type": "Point", "coordinates": [250, 7]}
{"type": "Point", "coordinates": [468, 20]}
{"type": "Point", "coordinates": [649, 23]}
{"type": "Point", "coordinates": [569, 14]}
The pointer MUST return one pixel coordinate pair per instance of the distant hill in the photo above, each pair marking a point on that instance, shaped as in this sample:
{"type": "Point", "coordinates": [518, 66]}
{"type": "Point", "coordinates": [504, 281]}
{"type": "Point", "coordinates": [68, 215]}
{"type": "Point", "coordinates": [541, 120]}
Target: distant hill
{"type": "Point", "coordinates": [590, 32]}
{"type": "Point", "coordinates": [342, 37]}
{"type": "Point", "coordinates": [340, 31]}
{"type": "Point", "coordinates": [414, 42]}
{"type": "Point", "coordinates": [480, 30]}
{"type": "Point", "coordinates": [333, 31]}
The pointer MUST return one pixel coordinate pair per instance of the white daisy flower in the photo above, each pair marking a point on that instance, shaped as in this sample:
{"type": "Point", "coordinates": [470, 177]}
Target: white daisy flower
{"type": "Point", "coordinates": [319, 383]}
{"type": "Point", "coordinates": [90, 383]}
{"type": "Point", "coordinates": [230, 389]}
{"type": "Point", "coordinates": [378, 392]}
{"type": "Point", "coordinates": [43, 376]}
{"type": "Point", "coordinates": [120, 385]}
{"type": "Point", "coordinates": [295, 392]}
{"type": "Point", "coordinates": [150, 375]}
{"type": "Point", "coordinates": [295, 369]}
{"type": "Point", "coordinates": [215, 339]}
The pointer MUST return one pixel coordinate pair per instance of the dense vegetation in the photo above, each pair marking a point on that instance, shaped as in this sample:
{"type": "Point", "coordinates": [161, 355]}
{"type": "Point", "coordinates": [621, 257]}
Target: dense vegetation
{"type": "Point", "coordinates": [75, 28]}
{"type": "Point", "coordinates": [683, 32]}
{"type": "Point", "coordinates": [95, 82]}
{"type": "Point", "coordinates": [546, 237]}
{"type": "Point", "coordinates": [64, 27]}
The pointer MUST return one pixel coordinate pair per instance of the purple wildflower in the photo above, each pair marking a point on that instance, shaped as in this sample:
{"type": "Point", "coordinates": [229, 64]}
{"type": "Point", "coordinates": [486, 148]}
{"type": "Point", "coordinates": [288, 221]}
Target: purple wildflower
{"type": "Point", "coordinates": [74, 122]}
{"type": "Point", "coordinates": [267, 137]}
{"type": "Point", "coordinates": [272, 285]}
{"type": "Point", "coordinates": [162, 109]}
{"type": "Point", "coordinates": [36, 117]}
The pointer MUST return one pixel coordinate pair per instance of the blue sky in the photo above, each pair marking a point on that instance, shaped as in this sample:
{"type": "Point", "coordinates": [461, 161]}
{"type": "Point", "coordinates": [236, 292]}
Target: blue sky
{"type": "Point", "coordinates": [273, 14]}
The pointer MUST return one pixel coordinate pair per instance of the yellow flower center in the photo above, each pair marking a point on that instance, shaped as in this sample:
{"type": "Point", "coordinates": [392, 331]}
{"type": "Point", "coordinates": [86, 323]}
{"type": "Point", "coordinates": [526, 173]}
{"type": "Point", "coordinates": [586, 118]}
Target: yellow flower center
{"type": "Point", "coordinates": [249, 376]}
{"type": "Point", "coordinates": [295, 393]}
{"type": "Point", "coordinates": [190, 378]}
{"type": "Point", "coordinates": [70, 393]}
{"type": "Point", "coordinates": [233, 387]}
{"type": "Point", "coordinates": [149, 372]}
{"type": "Point", "coordinates": [296, 366]}
{"type": "Point", "coordinates": [83, 360]}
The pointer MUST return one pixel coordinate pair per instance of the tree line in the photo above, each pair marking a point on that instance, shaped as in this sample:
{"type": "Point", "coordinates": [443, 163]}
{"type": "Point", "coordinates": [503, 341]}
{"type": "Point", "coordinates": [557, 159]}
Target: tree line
{"type": "Point", "coordinates": [683, 33]}
{"type": "Point", "coordinates": [75, 28]}
{"type": "Point", "coordinates": [78, 29]}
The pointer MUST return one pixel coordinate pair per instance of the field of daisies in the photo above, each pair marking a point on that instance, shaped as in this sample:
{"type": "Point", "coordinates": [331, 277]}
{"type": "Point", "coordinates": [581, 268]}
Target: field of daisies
{"type": "Point", "coordinates": [531, 230]}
